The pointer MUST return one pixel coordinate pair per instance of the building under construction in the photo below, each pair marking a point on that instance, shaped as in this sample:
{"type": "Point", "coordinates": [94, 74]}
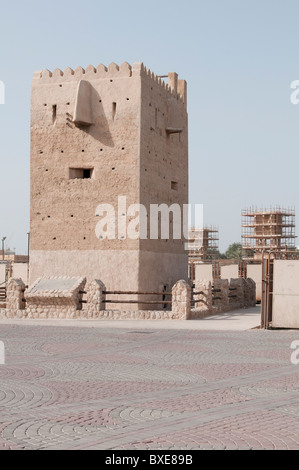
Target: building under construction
{"type": "Point", "coordinates": [270, 229]}
{"type": "Point", "coordinates": [203, 243]}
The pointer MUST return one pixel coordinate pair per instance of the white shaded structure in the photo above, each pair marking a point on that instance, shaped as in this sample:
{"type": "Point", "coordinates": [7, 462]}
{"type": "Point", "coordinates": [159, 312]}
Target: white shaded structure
{"type": "Point", "coordinates": [230, 271]}
{"type": "Point", "coordinates": [254, 271]}
{"type": "Point", "coordinates": [285, 309]}
{"type": "Point", "coordinates": [203, 272]}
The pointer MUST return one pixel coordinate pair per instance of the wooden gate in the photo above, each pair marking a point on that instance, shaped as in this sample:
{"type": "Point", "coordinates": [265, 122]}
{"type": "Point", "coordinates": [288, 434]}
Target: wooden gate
{"type": "Point", "coordinates": [267, 290]}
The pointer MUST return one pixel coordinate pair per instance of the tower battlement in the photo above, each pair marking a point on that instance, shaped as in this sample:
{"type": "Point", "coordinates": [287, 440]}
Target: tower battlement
{"type": "Point", "coordinates": [175, 88]}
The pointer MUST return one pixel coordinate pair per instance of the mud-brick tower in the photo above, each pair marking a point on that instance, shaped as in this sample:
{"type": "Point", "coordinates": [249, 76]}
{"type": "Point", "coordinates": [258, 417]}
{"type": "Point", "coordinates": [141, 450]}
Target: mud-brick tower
{"type": "Point", "coordinates": [98, 134]}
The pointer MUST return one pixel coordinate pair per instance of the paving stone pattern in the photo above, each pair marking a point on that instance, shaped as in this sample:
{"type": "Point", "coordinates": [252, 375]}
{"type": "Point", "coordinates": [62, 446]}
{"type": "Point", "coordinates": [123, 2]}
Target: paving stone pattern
{"type": "Point", "coordinates": [93, 388]}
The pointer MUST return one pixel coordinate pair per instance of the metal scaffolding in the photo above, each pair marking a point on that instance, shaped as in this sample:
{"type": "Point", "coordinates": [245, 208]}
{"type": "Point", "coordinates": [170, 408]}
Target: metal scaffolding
{"type": "Point", "coordinates": [203, 243]}
{"type": "Point", "coordinates": [267, 229]}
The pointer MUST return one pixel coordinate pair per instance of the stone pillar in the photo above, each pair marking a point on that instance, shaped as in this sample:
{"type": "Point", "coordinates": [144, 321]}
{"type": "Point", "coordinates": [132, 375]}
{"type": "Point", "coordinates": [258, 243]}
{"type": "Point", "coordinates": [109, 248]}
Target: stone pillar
{"type": "Point", "coordinates": [250, 293]}
{"type": "Point", "coordinates": [239, 286]}
{"type": "Point", "coordinates": [205, 298]}
{"type": "Point", "coordinates": [14, 297]}
{"type": "Point", "coordinates": [181, 301]}
{"type": "Point", "coordinates": [94, 299]}
{"type": "Point", "coordinates": [221, 294]}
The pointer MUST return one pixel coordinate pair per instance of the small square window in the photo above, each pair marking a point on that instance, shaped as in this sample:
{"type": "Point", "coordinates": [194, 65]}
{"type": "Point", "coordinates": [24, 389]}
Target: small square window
{"type": "Point", "coordinates": [174, 185]}
{"type": "Point", "coordinates": [80, 173]}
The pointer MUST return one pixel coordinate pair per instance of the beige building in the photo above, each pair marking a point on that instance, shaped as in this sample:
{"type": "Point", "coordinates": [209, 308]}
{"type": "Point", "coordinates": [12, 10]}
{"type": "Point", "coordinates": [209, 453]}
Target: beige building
{"type": "Point", "coordinates": [11, 256]}
{"type": "Point", "coordinates": [98, 134]}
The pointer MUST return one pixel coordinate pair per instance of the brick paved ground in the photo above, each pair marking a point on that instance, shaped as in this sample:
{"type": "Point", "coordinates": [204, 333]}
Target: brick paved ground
{"type": "Point", "coordinates": [110, 388]}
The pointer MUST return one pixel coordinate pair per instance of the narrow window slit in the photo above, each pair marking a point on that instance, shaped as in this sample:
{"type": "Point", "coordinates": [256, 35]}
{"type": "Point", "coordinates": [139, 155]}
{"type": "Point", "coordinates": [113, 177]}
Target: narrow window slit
{"type": "Point", "coordinates": [54, 113]}
{"type": "Point", "coordinates": [113, 111]}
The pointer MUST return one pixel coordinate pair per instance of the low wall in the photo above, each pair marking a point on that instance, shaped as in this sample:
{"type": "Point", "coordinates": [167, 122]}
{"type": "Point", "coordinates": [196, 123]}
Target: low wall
{"type": "Point", "coordinates": [62, 298]}
{"type": "Point", "coordinates": [102, 315]}
{"type": "Point", "coordinates": [223, 296]}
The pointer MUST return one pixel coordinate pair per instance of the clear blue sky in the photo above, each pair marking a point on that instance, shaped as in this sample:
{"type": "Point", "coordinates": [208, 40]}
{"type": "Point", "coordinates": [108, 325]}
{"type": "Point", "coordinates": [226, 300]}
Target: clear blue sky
{"type": "Point", "coordinates": [239, 58]}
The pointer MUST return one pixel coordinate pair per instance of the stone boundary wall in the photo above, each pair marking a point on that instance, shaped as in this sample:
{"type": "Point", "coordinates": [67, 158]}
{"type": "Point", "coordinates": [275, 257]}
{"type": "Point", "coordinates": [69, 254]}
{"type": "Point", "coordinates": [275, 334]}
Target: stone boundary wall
{"type": "Point", "coordinates": [67, 305]}
{"type": "Point", "coordinates": [102, 315]}
{"type": "Point", "coordinates": [55, 304]}
{"type": "Point", "coordinates": [239, 293]}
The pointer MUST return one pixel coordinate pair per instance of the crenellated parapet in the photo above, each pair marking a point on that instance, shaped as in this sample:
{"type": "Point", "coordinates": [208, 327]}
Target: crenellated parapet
{"type": "Point", "coordinates": [176, 88]}
{"type": "Point", "coordinates": [115, 71]}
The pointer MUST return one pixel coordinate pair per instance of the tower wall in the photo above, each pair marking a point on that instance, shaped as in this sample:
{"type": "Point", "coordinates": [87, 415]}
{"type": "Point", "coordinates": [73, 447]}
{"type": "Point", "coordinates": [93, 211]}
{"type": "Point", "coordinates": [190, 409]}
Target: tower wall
{"type": "Point", "coordinates": [163, 173]}
{"type": "Point", "coordinates": [117, 146]}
